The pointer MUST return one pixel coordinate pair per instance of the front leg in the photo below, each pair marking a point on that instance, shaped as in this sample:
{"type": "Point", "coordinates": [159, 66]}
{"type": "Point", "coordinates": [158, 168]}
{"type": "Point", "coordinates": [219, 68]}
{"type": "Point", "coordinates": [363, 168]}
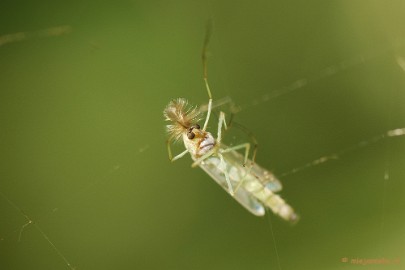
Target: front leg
{"type": "Point", "coordinates": [169, 151]}
{"type": "Point", "coordinates": [221, 122]}
{"type": "Point", "coordinates": [203, 157]}
{"type": "Point", "coordinates": [228, 181]}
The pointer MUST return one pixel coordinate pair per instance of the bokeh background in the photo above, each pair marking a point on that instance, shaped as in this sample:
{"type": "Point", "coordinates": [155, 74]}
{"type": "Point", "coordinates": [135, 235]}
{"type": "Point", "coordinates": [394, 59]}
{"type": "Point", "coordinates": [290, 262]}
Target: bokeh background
{"type": "Point", "coordinates": [82, 142]}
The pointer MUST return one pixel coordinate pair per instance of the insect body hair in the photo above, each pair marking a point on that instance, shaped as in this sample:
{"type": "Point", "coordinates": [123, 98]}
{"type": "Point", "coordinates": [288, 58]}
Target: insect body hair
{"type": "Point", "coordinates": [182, 117]}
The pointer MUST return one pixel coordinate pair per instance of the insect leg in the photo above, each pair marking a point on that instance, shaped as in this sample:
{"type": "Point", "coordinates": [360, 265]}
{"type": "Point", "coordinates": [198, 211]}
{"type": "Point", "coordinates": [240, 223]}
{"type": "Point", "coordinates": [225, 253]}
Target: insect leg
{"type": "Point", "coordinates": [228, 182]}
{"type": "Point", "coordinates": [169, 151]}
{"type": "Point", "coordinates": [255, 146]}
{"type": "Point", "coordinates": [237, 147]}
{"type": "Point", "coordinates": [220, 123]}
{"type": "Point", "coordinates": [204, 60]}
{"type": "Point", "coordinates": [252, 139]}
{"type": "Point", "coordinates": [201, 159]}
{"type": "Point", "coordinates": [247, 148]}
{"type": "Point", "coordinates": [209, 105]}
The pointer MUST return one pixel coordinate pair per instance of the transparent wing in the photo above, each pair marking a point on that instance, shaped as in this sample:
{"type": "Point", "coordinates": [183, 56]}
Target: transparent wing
{"type": "Point", "coordinates": [213, 167]}
{"type": "Point", "coordinates": [234, 166]}
{"type": "Point", "coordinates": [267, 178]}
{"type": "Point", "coordinates": [257, 192]}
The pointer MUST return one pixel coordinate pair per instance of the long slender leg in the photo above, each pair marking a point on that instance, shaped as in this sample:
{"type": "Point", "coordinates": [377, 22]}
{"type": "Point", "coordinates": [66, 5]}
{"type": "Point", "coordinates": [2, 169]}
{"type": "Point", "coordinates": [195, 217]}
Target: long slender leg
{"type": "Point", "coordinates": [255, 146]}
{"type": "Point", "coordinates": [234, 148]}
{"type": "Point", "coordinates": [169, 151]}
{"type": "Point", "coordinates": [237, 147]}
{"type": "Point", "coordinates": [182, 154]}
{"type": "Point", "coordinates": [252, 138]}
{"type": "Point", "coordinates": [201, 159]}
{"type": "Point", "coordinates": [247, 148]}
{"type": "Point", "coordinates": [209, 104]}
{"type": "Point", "coordinates": [228, 182]}
{"type": "Point", "coordinates": [221, 122]}
{"type": "Point", "coordinates": [204, 60]}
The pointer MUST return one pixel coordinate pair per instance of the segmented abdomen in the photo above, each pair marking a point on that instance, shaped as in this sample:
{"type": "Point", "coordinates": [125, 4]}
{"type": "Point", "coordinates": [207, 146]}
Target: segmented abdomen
{"type": "Point", "coordinates": [270, 199]}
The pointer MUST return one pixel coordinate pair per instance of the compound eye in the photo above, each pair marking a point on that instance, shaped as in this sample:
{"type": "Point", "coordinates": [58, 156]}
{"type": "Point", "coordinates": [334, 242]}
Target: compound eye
{"type": "Point", "coordinates": [190, 135]}
{"type": "Point", "coordinates": [197, 126]}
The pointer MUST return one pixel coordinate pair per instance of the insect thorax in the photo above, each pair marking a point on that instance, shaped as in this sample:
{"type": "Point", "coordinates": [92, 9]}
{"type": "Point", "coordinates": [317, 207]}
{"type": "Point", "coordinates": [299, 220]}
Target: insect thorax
{"type": "Point", "coordinates": [200, 145]}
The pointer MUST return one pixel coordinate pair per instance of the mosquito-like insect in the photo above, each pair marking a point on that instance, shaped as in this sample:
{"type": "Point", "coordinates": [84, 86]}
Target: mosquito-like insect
{"type": "Point", "coordinates": [251, 185]}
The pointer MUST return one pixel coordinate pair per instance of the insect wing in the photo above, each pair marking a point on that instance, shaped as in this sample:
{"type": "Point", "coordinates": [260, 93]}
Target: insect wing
{"type": "Point", "coordinates": [213, 167]}
{"type": "Point", "coordinates": [267, 178]}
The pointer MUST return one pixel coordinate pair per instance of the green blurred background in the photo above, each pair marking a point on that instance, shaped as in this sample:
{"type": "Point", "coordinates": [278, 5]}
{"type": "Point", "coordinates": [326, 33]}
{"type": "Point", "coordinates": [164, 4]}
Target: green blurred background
{"type": "Point", "coordinates": [82, 136]}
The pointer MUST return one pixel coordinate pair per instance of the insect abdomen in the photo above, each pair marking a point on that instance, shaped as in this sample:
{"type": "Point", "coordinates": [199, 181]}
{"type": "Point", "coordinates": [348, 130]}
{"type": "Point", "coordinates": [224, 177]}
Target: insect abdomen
{"type": "Point", "coordinates": [271, 200]}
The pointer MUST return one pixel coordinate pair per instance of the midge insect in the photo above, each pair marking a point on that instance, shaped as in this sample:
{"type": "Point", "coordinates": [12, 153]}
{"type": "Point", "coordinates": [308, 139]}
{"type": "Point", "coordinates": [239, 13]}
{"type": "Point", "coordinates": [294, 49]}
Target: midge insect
{"type": "Point", "coordinates": [251, 185]}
